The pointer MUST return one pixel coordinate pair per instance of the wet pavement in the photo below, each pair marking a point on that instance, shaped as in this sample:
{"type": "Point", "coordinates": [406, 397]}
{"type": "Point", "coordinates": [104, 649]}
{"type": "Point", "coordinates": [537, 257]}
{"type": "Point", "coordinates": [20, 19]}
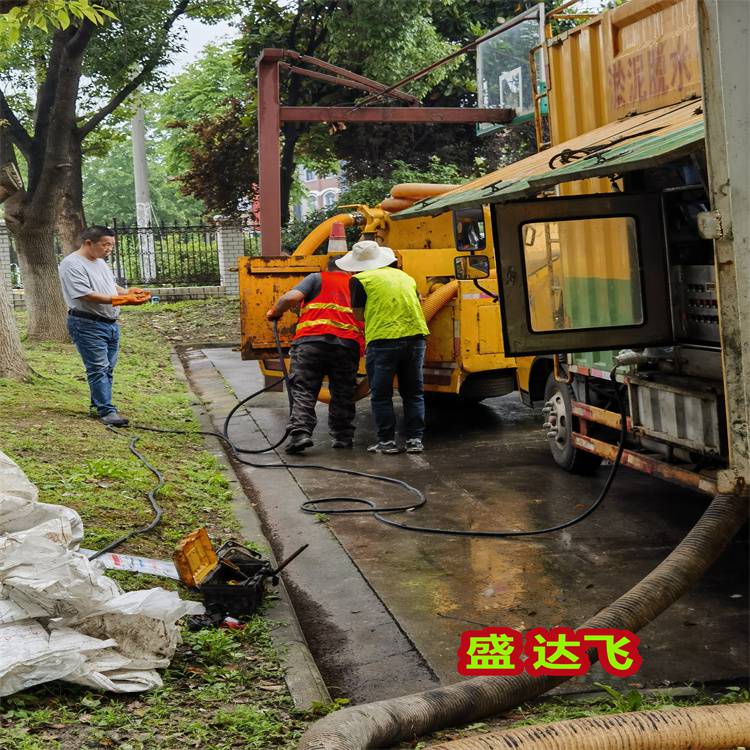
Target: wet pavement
{"type": "Point", "coordinates": [488, 467]}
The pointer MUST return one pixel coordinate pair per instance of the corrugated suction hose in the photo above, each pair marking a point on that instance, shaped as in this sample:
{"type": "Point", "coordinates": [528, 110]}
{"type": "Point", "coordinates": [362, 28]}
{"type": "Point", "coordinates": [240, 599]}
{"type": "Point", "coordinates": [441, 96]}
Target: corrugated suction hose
{"type": "Point", "coordinates": [382, 724]}
{"type": "Point", "coordinates": [697, 728]}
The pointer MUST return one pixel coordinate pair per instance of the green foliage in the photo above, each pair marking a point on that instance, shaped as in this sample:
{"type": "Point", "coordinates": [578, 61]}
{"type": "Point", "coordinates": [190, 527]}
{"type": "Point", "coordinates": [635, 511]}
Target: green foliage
{"type": "Point", "coordinates": [224, 689]}
{"type": "Point", "coordinates": [109, 190]}
{"type": "Point", "coordinates": [369, 191]}
{"type": "Point", "coordinates": [48, 15]}
{"type": "Point", "coordinates": [203, 90]}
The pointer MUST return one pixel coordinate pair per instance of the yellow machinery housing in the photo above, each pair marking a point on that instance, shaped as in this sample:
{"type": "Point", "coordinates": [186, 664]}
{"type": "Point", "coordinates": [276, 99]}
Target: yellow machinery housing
{"type": "Point", "coordinates": [464, 355]}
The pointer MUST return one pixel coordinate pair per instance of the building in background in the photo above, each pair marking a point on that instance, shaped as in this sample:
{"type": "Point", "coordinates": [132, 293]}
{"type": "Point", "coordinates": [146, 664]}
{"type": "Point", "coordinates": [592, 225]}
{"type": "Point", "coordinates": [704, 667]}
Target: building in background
{"type": "Point", "coordinates": [322, 192]}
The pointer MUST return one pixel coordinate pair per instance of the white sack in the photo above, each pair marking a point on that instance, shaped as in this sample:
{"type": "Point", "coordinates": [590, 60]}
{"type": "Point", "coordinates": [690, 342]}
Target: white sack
{"type": "Point", "coordinates": [86, 630]}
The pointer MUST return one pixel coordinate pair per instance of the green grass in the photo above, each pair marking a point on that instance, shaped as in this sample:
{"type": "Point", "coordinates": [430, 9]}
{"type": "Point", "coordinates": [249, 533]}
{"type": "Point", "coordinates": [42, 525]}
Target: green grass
{"type": "Point", "coordinates": [224, 690]}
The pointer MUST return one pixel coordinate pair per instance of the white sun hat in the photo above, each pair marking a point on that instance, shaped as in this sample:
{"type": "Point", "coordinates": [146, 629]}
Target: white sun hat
{"type": "Point", "coordinates": [366, 256]}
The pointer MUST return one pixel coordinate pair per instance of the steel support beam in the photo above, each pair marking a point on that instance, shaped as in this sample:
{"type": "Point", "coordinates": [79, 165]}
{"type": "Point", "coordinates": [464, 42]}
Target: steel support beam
{"type": "Point", "coordinates": [446, 115]}
{"type": "Point", "coordinates": [269, 154]}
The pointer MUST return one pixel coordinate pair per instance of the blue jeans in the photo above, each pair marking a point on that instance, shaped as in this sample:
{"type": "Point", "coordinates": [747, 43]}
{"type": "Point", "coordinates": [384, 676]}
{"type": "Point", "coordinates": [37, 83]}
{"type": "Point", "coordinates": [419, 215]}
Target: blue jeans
{"type": "Point", "coordinates": [402, 358]}
{"type": "Point", "coordinates": [98, 344]}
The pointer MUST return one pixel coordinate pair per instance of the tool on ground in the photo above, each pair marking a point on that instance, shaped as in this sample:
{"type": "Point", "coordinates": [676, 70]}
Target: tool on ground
{"type": "Point", "coordinates": [232, 579]}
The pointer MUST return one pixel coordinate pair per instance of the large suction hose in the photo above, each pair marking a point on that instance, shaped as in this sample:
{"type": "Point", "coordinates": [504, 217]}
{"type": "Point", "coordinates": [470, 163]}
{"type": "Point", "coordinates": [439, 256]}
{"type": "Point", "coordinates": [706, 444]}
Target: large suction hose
{"type": "Point", "coordinates": [321, 233]}
{"type": "Point", "coordinates": [697, 728]}
{"type": "Point", "coordinates": [381, 724]}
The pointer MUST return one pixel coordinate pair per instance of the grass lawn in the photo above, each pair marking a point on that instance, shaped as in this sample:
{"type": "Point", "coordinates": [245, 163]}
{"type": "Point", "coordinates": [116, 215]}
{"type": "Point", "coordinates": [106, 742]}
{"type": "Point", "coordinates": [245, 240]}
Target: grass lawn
{"type": "Point", "coordinates": [224, 689]}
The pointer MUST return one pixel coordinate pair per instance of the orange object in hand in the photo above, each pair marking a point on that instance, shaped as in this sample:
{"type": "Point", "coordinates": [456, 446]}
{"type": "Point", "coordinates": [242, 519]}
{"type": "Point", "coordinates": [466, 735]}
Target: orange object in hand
{"type": "Point", "coordinates": [130, 299]}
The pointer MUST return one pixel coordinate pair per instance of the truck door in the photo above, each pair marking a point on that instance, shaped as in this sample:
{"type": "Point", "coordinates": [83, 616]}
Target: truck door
{"type": "Point", "coordinates": [582, 273]}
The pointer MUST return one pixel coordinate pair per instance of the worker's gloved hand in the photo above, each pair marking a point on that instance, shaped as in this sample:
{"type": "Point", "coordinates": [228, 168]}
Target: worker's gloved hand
{"type": "Point", "coordinates": [140, 294]}
{"type": "Point", "coordinates": [273, 315]}
{"type": "Point", "coordinates": [128, 299]}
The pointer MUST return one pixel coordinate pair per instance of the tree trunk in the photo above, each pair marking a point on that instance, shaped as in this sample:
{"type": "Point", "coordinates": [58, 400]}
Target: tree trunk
{"type": "Point", "coordinates": [291, 135]}
{"type": "Point", "coordinates": [70, 216]}
{"type": "Point", "coordinates": [12, 358]}
{"type": "Point", "coordinates": [44, 301]}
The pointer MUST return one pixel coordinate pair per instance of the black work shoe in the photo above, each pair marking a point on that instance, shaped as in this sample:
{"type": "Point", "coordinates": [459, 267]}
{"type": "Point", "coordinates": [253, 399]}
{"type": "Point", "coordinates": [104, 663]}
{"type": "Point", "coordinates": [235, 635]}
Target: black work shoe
{"type": "Point", "coordinates": [298, 443]}
{"type": "Point", "coordinates": [342, 443]}
{"type": "Point", "coordinates": [113, 419]}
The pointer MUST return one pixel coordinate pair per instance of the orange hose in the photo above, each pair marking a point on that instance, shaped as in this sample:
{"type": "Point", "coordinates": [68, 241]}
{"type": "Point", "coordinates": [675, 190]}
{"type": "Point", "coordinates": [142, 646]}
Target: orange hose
{"type": "Point", "coordinates": [396, 204]}
{"type": "Point", "coordinates": [418, 190]}
{"type": "Point", "coordinates": [320, 234]}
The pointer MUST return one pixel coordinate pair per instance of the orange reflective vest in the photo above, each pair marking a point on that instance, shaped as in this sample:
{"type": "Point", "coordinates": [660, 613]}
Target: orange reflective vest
{"type": "Point", "coordinates": [330, 313]}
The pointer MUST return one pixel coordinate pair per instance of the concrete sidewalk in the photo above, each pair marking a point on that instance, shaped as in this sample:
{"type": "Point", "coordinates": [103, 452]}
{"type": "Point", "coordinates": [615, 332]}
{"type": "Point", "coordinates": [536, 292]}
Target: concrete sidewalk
{"type": "Point", "coordinates": [358, 646]}
{"type": "Point", "coordinates": [365, 595]}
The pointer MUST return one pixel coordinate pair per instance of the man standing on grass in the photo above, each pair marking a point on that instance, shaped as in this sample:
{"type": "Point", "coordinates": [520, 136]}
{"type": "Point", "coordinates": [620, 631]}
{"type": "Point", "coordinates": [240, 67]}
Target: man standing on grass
{"type": "Point", "coordinates": [328, 342]}
{"type": "Point", "coordinates": [386, 299]}
{"type": "Point", "coordinates": [93, 300]}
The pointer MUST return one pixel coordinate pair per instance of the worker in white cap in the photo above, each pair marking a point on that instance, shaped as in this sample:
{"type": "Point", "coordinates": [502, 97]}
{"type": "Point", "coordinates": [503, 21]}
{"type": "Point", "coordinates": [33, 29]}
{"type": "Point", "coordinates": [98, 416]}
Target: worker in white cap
{"type": "Point", "coordinates": [395, 330]}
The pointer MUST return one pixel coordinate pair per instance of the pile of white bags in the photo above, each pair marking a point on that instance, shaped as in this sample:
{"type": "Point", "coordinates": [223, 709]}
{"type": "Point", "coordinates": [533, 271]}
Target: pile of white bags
{"type": "Point", "coordinates": [60, 617]}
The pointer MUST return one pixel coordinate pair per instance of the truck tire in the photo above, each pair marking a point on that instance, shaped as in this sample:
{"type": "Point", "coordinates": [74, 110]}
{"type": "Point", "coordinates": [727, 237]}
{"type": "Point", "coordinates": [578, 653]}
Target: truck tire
{"type": "Point", "coordinates": [493, 384]}
{"type": "Point", "coordinates": [559, 397]}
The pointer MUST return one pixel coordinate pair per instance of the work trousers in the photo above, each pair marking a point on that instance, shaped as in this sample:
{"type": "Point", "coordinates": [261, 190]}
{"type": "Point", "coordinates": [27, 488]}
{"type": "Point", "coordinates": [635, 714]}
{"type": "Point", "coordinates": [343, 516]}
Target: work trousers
{"type": "Point", "coordinates": [404, 359]}
{"type": "Point", "coordinates": [311, 362]}
{"type": "Point", "coordinates": [98, 344]}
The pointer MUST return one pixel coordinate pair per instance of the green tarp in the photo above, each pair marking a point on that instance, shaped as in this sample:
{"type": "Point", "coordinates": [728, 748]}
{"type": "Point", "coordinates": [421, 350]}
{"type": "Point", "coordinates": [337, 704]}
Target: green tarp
{"type": "Point", "coordinates": [623, 157]}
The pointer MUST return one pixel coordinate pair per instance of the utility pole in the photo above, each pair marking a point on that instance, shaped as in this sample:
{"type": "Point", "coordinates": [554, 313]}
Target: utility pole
{"type": "Point", "coordinates": [142, 198]}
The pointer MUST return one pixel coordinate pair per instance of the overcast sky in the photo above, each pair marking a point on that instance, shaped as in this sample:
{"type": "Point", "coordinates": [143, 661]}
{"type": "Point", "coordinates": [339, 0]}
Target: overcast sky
{"type": "Point", "coordinates": [197, 37]}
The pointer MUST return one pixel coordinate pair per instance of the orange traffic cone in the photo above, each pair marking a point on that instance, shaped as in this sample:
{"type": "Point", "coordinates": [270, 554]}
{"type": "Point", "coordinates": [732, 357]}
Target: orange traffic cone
{"type": "Point", "coordinates": [337, 239]}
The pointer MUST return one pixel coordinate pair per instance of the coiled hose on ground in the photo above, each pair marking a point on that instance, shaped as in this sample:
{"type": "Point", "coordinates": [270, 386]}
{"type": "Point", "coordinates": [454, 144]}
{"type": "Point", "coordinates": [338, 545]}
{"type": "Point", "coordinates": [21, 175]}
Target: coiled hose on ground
{"type": "Point", "coordinates": [382, 724]}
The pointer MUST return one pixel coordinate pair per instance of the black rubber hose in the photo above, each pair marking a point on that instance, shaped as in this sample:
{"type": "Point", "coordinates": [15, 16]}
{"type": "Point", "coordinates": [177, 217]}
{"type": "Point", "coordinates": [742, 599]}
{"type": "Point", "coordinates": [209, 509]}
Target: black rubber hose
{"type": "Point", "coordinates": [151, 498]}
{"type": "Point", "coordinates": [365, 505]}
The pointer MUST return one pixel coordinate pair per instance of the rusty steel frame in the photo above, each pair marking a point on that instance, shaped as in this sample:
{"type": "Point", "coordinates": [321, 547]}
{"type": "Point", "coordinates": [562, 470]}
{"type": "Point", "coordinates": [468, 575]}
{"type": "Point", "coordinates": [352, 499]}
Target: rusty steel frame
{"type": "Point", "coordinates": [598, 415]}
{"type": "Point", "coordinates": [271, 115]}
{"type": "Point", "coordinates": [405, 115]}
{"type": "Point", "coordinates": [646, 464]}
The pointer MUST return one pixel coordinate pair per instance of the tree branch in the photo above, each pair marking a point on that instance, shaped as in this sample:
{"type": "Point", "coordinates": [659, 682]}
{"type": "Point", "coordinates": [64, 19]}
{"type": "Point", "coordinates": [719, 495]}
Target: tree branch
{"type": "Point", "coordinates": [130, 87]}
{"type": "Point", "coordinates": [16, 131]}
{"type": "Point", "coordinates": [7, 5]}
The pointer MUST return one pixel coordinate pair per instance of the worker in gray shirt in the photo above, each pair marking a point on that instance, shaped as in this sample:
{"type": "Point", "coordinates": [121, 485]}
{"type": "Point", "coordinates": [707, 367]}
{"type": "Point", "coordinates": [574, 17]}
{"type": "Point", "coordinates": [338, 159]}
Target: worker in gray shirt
{"type": "Point", "coordinates": [93, 300]}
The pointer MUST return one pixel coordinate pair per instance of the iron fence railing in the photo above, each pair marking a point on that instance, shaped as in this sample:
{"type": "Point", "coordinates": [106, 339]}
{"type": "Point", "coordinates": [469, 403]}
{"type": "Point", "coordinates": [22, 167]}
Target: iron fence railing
{"type": "Point", "coordinates": [184, 255]}
{"type": "Point", "coordinates": [175, 255]}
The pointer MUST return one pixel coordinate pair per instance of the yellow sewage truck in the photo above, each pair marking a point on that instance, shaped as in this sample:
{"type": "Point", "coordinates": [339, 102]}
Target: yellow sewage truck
{"type": "Point", "coordinates": [625, 243]}
{"type": "Point", "coordinates": [465, 356]}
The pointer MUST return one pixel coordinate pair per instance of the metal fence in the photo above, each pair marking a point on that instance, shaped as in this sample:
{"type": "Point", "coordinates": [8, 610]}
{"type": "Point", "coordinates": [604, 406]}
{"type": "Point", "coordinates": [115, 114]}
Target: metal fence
{"type": "Point", "coordinates": [175, 255]}
{"type": "Point", "coordinates": [185, 255]}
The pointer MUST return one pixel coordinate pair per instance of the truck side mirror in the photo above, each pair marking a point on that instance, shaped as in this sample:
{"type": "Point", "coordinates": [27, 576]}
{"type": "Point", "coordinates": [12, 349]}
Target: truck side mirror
{"type": "Point", "coordinates": [468, 227]}
{"type": "Point", "coordinates": [471, 267]}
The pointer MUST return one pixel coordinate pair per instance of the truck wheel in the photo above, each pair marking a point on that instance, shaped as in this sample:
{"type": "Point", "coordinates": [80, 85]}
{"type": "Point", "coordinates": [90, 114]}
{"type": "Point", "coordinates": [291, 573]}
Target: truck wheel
{"type": "Point", "coordinates": [562, 424]}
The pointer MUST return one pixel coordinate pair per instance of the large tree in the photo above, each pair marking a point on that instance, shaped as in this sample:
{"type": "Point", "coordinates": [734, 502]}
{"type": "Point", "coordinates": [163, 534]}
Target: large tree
{"type": "Point", "coordinates": [382, 39]}
{"type": "Point", "coordinates": [14, 15]}
{"type": "Point", "coordinates": [80, 74]}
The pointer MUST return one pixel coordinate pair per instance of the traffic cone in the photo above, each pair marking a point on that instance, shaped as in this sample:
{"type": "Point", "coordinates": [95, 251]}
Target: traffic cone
{"type": "Point", "coordinates": [337, 239]}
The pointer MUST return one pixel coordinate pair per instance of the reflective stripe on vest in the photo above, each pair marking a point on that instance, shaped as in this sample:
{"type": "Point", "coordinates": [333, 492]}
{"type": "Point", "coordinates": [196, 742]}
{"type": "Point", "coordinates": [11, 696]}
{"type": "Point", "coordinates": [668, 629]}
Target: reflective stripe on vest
{"type": "Point", "coordinates": [330, 312]}
{"type": "Point", "coordinates": [392, 310]}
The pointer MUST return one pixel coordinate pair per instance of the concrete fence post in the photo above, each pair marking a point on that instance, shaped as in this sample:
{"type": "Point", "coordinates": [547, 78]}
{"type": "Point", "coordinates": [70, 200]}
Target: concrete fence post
{"type": "Point", "coordinates": [6, 279]}
{"type": "Point", "coordinates": [231, 245]}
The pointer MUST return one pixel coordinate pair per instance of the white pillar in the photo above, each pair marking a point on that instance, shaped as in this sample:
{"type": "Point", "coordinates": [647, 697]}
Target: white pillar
{"type": "Point", "coordinates": [231, 245]}
{"type": "Point", "coordinates": [142, 198]}
{"type": "Point", "coordinates": [6, 278]}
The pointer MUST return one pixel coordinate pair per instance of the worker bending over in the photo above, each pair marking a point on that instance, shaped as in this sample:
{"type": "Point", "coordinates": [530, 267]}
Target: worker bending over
{"type": "Point", "coordinates": [395, 330]}
{"type": "Point", "coordinates": [328, 342]}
